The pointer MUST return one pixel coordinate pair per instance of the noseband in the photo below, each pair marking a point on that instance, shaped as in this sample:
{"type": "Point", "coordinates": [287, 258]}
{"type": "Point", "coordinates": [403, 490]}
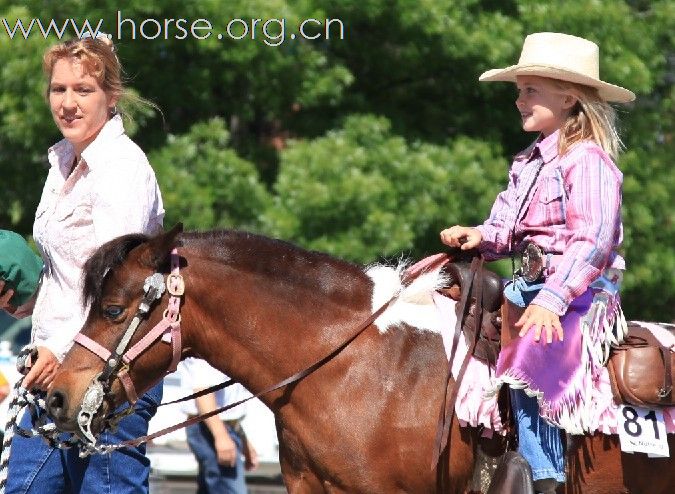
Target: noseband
{"type": "Point", "coordinates": [117, 362]}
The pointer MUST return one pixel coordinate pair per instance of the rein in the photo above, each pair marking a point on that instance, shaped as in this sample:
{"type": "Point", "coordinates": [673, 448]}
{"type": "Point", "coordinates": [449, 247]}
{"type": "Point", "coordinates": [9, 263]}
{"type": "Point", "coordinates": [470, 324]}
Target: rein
{"type": "Point", "coordinates": [447, 411]}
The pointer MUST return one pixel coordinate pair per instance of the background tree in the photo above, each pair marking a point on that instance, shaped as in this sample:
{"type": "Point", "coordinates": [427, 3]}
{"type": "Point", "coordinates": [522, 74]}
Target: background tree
{"type": "Point", "coordinates": [364, 147]}
{"type": "Point", "coordinates": [207, 183]}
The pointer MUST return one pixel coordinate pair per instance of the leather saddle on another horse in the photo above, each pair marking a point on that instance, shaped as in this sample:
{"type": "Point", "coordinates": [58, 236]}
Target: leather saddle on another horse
{"type": "Point", "coordinates": [641, 368]}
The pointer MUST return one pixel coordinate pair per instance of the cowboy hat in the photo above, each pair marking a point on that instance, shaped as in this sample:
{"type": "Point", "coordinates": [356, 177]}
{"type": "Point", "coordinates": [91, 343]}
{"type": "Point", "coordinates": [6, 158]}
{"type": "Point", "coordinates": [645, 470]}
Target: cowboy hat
{"type": "Point", "coordinates": [563, 57]}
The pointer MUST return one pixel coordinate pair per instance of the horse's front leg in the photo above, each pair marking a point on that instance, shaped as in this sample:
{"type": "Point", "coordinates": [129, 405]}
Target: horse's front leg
{"type": "Point", "coordinates": [302, 482]}
{"type": "Point", "coordinates": [295, 470]}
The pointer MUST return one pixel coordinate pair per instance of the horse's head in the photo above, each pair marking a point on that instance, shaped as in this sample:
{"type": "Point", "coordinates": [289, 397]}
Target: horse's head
{"type": "Point", "coordinates": [126, 300]}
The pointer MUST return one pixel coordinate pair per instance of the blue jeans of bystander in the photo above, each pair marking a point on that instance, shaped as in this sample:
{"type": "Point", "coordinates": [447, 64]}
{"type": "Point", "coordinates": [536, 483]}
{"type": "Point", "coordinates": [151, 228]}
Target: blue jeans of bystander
{"type": "Point", "coordinates": [213, 477]}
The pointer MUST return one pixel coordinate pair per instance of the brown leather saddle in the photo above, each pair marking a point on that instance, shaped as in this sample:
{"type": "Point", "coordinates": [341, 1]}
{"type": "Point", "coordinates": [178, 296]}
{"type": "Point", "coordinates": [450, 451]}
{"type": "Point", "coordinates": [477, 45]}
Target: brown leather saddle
{"type": "Point", "coordinates": [488, 338]}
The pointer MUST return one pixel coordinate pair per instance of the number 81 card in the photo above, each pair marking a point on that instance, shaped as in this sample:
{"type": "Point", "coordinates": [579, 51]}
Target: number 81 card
{"type": "Point", "coordinates": [642, 430]}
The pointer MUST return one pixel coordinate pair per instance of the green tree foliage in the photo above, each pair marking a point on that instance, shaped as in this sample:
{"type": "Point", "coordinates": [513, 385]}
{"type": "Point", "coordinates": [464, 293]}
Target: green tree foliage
{"type": "Point", "coordinates": [26, 127]}
{"type": "Point", "coordinates": [361, 191]}
{"type": "Point", "coordinates": [205, 183]}
{"type": "Point", "coordinates": [363, 147]}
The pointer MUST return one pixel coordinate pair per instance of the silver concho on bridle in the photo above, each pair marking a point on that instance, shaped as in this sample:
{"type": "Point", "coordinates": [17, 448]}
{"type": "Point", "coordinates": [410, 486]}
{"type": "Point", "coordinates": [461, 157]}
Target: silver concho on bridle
{"type": "Point", "coordinates": [153, 289]}
{"type": "Point", "coordinates": [92, 401]}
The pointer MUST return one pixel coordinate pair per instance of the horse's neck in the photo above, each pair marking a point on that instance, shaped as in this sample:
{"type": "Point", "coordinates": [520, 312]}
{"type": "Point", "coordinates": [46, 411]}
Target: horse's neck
{"type": "Point", "coordinates": [260, 329]}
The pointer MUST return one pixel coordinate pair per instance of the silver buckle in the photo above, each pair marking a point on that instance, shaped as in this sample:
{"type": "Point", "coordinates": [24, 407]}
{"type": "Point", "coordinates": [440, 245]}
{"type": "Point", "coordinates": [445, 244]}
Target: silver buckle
{"type": "Point", "coordinates": [532, 263]}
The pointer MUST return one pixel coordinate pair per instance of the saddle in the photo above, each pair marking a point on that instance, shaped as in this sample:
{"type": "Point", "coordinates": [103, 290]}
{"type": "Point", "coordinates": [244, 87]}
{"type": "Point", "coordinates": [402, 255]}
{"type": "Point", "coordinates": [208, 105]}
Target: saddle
{"type": "Point", "coordinates": [488, 337]}
{"type": "Point", "coordinates": [641, 369]}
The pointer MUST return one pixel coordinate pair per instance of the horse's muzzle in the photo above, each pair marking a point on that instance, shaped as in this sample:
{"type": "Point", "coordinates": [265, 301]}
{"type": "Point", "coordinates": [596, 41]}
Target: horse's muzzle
{"type": "Point", "coordinates": [57, 408]}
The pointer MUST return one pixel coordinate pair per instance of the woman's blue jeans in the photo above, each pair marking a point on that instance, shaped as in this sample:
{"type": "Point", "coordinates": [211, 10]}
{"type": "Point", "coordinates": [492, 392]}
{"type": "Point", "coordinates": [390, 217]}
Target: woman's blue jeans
{"type": "Point", "coordinates": [36, 468]}
{"type": "Point", "coordinates": [213, 477]}
{"type": "Point", "coordinates": [539, 442]}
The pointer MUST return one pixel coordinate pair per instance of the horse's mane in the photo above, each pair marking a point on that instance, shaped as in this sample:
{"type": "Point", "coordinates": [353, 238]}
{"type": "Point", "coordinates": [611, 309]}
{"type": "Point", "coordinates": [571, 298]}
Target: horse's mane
{"type": "Point", "coordinates": [248, 251]}
{"type": "Point", "coordinates": [274, 258]}
{"type": "Point", "coordinates": [107, 257]}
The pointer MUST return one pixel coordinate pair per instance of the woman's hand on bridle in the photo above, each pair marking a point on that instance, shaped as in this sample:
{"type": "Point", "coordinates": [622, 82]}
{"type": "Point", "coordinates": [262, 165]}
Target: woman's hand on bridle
{"type": "Point", "coordinates": [42, 371]}
{"type": "Point", "coordinates": [540, 319]}
{"type": "Point", "coordinates": [464, 237]}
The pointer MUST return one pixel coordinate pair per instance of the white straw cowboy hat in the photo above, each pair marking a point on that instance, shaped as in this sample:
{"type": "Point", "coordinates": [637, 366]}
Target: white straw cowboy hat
{"type": "Point", "coordinates": [563, 57]}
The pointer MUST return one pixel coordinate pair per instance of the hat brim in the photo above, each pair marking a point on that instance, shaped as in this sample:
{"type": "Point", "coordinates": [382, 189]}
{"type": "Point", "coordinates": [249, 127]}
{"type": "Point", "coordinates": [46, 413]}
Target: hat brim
{"type": "Point", "coordinates": [606, 91]}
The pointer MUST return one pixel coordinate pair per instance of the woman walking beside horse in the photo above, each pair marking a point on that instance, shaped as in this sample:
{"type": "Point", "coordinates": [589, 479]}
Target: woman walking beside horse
{"type": "Point", "coordinates": [100, 186]}
{"type": "Point", "coordinates": [561, 213]}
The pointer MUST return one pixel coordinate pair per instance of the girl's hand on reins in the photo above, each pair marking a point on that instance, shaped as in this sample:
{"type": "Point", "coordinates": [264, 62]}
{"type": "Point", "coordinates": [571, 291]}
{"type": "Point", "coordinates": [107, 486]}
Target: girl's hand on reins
{"type": "Point", "coordinates": [42, 371]}
{"type": "Point", "coordinates": [461, 236]}
{"type": "Point", "coordinates": [540, 319]}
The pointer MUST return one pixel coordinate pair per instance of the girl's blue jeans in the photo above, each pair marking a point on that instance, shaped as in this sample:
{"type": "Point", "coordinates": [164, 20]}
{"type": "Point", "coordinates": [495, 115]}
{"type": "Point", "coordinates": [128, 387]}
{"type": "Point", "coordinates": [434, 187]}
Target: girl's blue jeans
{"type": "Point", "coordinates": [36, 468]}
{"type": "Point", "coordinates": [539, 442]}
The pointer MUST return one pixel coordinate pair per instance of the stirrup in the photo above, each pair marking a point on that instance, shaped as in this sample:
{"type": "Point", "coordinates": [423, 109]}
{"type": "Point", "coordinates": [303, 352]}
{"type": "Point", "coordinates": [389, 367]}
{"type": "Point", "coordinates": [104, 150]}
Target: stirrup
{"type": "Point", "coordinates": [513, 476]}
{"type": "Point", "coordinates": [545, 486]}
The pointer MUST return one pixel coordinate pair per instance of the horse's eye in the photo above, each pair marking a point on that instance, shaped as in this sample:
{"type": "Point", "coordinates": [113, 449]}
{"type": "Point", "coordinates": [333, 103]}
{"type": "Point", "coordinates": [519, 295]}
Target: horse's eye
{"type": "Point", "coordinates": [113, 311]}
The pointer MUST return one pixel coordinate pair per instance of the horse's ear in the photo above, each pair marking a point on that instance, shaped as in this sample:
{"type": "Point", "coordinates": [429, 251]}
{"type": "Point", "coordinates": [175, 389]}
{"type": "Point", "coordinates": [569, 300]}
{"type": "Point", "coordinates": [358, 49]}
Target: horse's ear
{"type": "Point", "coordinates": [158, 248]}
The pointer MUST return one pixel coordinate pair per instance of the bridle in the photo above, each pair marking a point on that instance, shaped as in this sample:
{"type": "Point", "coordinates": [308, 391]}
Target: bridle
{"type": "Point", "coordinates": [117, 362]}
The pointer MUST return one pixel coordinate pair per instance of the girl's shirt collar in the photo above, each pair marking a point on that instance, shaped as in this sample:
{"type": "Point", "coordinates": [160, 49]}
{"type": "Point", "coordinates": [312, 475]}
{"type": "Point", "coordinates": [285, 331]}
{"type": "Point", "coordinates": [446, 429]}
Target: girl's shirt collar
{"type": "Point", "coordinates": [546, 147]}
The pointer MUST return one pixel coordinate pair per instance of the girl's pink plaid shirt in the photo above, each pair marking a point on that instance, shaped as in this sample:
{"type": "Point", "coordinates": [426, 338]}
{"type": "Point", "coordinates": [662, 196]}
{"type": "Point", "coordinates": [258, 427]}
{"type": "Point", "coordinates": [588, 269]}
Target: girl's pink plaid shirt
{"type": "Point", "coordinates": [573, 209]}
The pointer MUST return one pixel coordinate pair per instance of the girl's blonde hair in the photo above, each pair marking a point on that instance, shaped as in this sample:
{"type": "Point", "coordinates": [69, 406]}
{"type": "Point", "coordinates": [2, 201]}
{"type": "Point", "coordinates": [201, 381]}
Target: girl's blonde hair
{"type": "Point", "coordinates": [591, 118]}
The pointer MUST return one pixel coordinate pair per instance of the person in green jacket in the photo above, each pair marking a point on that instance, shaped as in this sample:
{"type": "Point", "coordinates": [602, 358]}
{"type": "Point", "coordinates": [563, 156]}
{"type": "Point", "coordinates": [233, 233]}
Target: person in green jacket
{"type": "Point", "coordinates": [20, 270]}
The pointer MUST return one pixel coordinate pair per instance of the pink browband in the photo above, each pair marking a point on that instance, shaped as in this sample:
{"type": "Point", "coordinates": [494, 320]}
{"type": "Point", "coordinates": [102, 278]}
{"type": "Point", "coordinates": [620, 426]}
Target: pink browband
{"type": "Point", "coordinates": [168, 329]}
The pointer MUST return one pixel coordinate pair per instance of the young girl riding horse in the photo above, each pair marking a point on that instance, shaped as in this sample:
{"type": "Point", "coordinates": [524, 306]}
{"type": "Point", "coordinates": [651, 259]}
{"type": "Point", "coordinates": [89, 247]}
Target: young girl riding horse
{"type": "Point", "coordinates": [561, 213]}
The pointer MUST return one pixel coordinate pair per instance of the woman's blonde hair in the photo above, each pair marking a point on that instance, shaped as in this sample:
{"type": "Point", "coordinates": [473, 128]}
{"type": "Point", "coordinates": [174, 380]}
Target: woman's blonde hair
{"type": "Point", "coordinates": [591, 118]}
{"type": "Point", "coordinates": [97, 58]}
{"type": "Point", "coordinates": [97, 55]}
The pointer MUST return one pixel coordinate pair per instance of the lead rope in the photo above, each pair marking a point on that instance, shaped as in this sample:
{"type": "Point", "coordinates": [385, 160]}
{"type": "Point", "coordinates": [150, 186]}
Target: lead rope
{"type": "Point", "coordinates": [15, 406]}
{"type": "Point", "coordinates": [34, 403]}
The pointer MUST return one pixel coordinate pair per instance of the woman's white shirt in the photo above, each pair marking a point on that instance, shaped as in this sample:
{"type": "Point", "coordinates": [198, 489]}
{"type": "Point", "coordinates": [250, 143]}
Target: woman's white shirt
{"type": "Point", "coordinates": [111, 192]}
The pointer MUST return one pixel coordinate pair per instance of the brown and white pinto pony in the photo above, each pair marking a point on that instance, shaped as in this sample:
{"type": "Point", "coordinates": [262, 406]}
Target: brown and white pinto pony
{"type": "Point", "coordinates": [260, 310]}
